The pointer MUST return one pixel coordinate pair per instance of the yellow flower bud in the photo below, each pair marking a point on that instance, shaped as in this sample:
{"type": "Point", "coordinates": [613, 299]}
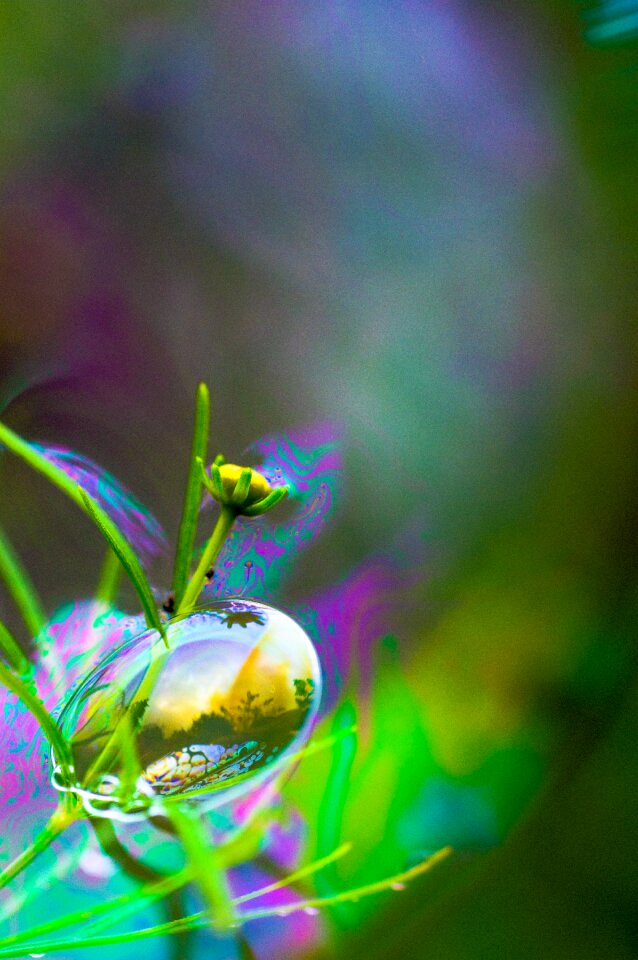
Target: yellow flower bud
{"type": "Point", "coordinates": [259, 486]}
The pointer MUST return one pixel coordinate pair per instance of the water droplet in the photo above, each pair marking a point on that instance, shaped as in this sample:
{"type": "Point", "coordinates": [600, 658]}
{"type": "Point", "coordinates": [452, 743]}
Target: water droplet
{"type": "Point", "coordinates": [397, 886]}
{"type": "Point", "coordinates": [37, 954]}
{"type": "Point", "coordinates": [311, 911]}
{"type": "Point", "coordinates": [238, 689]}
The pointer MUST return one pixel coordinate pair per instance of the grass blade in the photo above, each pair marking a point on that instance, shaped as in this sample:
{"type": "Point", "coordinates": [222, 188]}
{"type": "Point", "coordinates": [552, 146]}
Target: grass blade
{"type": "Point", "coordinates": [197, 921]}
{"type": "Point", "coordinates": [14, 654]}
{"type": "Point", "coordinates": [332, 805]}
{"type": "Point", "coordinates": [36, 707]}
{"type": "Point", "coordinates": [129, 560]}
{"type": "Point", "coordinates": [109, 579]}
{"type": "Point", "coordinates": [20, 587]}
{"type": "Point", "coordinates": [192, 496]}
{"type": "Point", "coordinates": [207, 870]}
{"type": "Point", "coordinates": [113, 535]}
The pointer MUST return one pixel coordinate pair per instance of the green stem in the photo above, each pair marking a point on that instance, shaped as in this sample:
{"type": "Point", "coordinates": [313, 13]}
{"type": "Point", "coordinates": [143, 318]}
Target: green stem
{"type": "Point", "coordinates": [109, 529]}
{"type": "Point", "coordinates": [106, 913]}
{"type": "Point", "coordinates": [193, 494]}
{"type": "Point", "coordinates": [107, 838]}
{"type": "Point", "coordinates": [42, 715]}
{"type": "Point", "coordinates": [14, 654]}
{"type": "Point", "coordinates": [113, 745]}
{"type": "Point", "coordinates": [60, 820]}
{"type": "Point", "coordinates": [223, 526]}
{"type": "Point", "coordinates": [196, 921]}
{"type": "Point", "coordinates": [20, 587]}
{"type": "Point", "coordinates": [139, 871]}
{"type": "Point", "coordinates": [110, 576]}
{"type": "Point", "coordinates": [207, 869]}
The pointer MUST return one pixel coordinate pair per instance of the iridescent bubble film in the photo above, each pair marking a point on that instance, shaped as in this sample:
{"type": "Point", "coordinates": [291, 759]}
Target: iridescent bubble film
{"type": "Point", "coordinates": [139, 526]}
{"type": "Point", "coordinates": [237, 690]}
{"type": "Point", "coordinates": [260, 552]}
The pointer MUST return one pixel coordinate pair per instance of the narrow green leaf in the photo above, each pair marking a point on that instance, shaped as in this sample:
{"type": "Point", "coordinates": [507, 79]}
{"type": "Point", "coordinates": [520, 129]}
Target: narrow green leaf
{"type": "Point", "coordinates": [39, 463]}
{"type": "Point", "coordinates": [335, 794]}
{"type": "Point", "coordinates": [109, 578]}
{"type": "Point", "coordinates": [106, 913]}
{"type": "Point", "coordinates": [13, 653]}
{"type": "Point", "coordinates": [197, 921]}
{"type": "Point", "coordinates": [192, 496]}
{"type": "Point", "coordinates": [129, 560]}
{"type": "Point", "coordinates": [207, 870]}
{"type": "Point", "coordinates": [34, 704]}
{"type": "Point", "coordinates": [108, 528]}
{"type": "Point", "coordinates": [20, 587]}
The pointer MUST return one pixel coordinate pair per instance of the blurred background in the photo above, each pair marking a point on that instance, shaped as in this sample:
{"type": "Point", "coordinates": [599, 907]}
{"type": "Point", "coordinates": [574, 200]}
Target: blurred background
{"type": "Point", "coordinates": [416, 222]}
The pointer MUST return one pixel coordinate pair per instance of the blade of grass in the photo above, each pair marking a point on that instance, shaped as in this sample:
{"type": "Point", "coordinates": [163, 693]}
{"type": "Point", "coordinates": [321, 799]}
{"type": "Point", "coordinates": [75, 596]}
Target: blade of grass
{"type": "Point", "coordinates": [300, 874]}
{"type": "Point", "coordinates": [356, 893]}
{"type": "Point", "coordinates": [15, 657]}
{"type": "Point", "coordinates": [129, 560]}
{"type": "Point", "coordinates": [192, 495]}
{"type": "Point", "coordinates": [207, 870]}
{"type": "Point", "coordinates": [115, 538]}
{"type": "Point", "coordinates": [58, 822]}
{"type": "Point", "coordinates": [20, 587]}
{"type": "Point", "coordinates": [36, 707]}
{"type": "Point", "coordinates": [330, 818]}
{"type": "Point", "coordinates": [197, 921]}
{"type": "Point", "coordinates": [109, 580]}
{"type": "Point", "coordinates": [106, 913]}
{"type": "Point", "coordinates": [39, 463]}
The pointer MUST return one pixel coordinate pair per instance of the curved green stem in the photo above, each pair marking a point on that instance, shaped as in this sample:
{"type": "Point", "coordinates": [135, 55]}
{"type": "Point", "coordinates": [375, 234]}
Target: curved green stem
{"type": "Point", "coordinates": [223, 526]}
{"type": "Point", "coordinates": [34, 704]}
{"type": "Point", "coordinates": [20, 587]}
{"type": "Point", "coordinates": [137, 870]}
{"type": "Point", "coordinates": [14, 654]}
{"type": "Point", "coordinates": [60, 820]}
{"type": "Point", "coordinates": [207, 869]}
{"type": "Point", "coordinates": [192, 496]}
{"type": "Point", "coordinates": [110, 576]}
{"type": "Point", "coordinates": [197, 921]}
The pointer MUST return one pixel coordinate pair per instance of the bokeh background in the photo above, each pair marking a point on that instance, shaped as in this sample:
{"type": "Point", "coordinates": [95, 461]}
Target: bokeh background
{"type": "Point", "coordinates": [417, 223]}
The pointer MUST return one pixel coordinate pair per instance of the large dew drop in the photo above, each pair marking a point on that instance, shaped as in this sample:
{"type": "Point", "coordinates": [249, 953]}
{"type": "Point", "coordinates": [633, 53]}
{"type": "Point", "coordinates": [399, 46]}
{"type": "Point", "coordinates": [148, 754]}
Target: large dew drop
{"type": "Point", "coordinates": [236, 691]}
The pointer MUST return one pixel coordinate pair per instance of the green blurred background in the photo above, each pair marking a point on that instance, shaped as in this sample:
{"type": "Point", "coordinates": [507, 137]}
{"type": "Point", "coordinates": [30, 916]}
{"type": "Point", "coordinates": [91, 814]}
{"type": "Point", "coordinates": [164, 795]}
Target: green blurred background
{"type": "Point", "coordinates": [418, 221]}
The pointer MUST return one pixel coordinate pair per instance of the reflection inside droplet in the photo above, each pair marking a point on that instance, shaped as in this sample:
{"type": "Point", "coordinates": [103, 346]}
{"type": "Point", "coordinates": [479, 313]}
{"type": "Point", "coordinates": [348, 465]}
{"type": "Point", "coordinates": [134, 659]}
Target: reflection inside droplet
{"type": "Point", "coordinates": [237, 690]}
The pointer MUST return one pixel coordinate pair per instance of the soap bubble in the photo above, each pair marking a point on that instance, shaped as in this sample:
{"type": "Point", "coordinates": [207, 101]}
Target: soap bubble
{"type": "Point", "coordinates": [237, 689]}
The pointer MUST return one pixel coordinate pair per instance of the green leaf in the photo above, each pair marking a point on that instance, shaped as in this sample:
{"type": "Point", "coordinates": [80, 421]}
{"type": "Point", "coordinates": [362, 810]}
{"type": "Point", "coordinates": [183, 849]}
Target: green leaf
{"type": "Point", "coordinates": [197, 921]}
{"type": "Point", "coordinates": [34, 704]}
{"type": "Point", "coordinates": [14, 654]}
{"type": "Point", "coordinates": [114, 537]}
{"type": "Point", "coordinates": [192, 496]}
{"type": "Point", "coordinates": [20, 587]}
{"type": "Point", "coordinates": [129, 560]}
{"type": "Point", "coordinates": [207, 869]}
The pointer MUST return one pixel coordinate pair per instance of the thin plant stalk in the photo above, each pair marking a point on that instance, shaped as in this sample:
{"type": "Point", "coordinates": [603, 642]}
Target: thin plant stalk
{"type": "Point", "coordinates": [36, 707]}
{"type": "Point", "coordinates": [106, 913]}
{"type": "Point", "coordinates": [192, 495]}
{"type": "Point", "coordinates": [206, 867]}
{"type": "Point", "coordinates": [330, 817]}
{"type": "Point", "coordinates": [109, 529]}
{"type": "Point", "coordinates": [223, 526]}
{"type": "Point", "coordinates": [15, 657]}
{"type": "Point", "coordinates": [59, 821]}
{"type": "Point", "coordinates": [196, 921]}
{"type": "Point", "coordinates": [127, 557]}
{"type": "Point", "coordinates": [109, 579]}
{"type": "Point", "coordinates": [21, 587]}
